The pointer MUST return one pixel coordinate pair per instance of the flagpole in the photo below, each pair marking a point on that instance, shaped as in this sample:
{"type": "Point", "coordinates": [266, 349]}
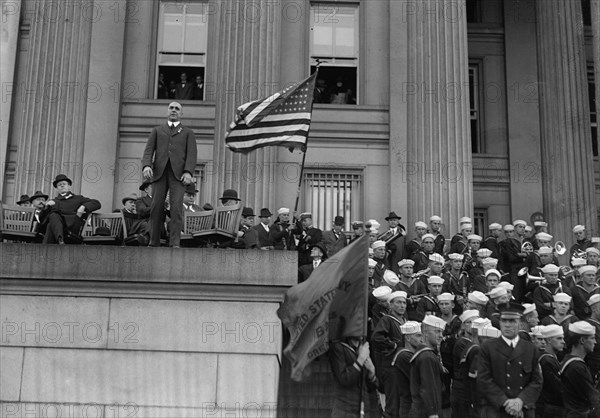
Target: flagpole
{"type": "Point", "coordinates": [305, 147]}
{"type": "Point", "coordinates": [361, 412]}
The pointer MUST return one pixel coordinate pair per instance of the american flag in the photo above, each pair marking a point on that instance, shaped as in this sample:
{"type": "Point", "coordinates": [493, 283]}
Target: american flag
{"type": "Point", "coordinates": [281, 119]}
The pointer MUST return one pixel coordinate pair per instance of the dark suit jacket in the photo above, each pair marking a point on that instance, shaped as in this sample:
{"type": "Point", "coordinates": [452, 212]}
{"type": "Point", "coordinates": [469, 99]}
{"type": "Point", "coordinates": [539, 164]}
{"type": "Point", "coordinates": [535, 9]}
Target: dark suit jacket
{"type": "Point", "coordinates": [68, 208]}
{"type": "Point", "coordinates": [142, 207]}
{"type": "Point", "coordinates": [397, 251]}
{"type": "Point", "coordinates": [163, 146]}
{"type": "Point", "coordinates": [184, 93]}
{"type": "Point", "coordinates": [333, 245]}
{"type": "Point", "coordinates": [506, 373]}
{"type": "Point", "coordinates": [257, 237]}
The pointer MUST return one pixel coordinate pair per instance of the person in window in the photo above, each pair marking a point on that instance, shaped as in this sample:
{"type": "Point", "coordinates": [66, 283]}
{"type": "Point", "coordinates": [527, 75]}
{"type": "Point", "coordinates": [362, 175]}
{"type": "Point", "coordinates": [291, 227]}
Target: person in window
{"type": "Point", "coordinates": [185, 89]}
{"type": "Point", "coordinates": [319, 95]}
{"type": "Point", "coordinates": [340, 93]}
{"type": "Point", "coordinates": [199, 88]}
{"type": "Point", "coordinates": [162, 91]}
{"type": "Point", "coordinates": [172, 90]}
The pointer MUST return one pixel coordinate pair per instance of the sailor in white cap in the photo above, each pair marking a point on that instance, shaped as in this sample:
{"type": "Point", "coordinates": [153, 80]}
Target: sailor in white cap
{"type": "Point", "coordinates": [462, 355]}
{"type": "Point", "coordinates": [593, 256]}
{"type": "Point", "coordinates": [593, 358]}
{"type": "Point", "coordinates": [560, 314]}
{"type": "Point", "coordinates": [414, 245]}
{"type": "Point", "coordinates": [459, 242]}
{"type": "Point", "coordinates": [421, 257]}
{"type": "Point", "coordinates": [514, 257]}
{"type": "Point", "coordinates": [386, 339]}
{"type": "Point", "coordinates": [529, 320]}
{"type": "Point", "coordinates": [477, 300]}
{"type": "Point", "coordinates": [456, 279]}
{"type": "Point", "coordinates": [550, 403]}
{"type": "Point", "coordinates": [414, 288]}
{"type": "Point", "coordinates": [492, 279]}
{"type": "Point", "coordinates": [582, 241]}
{"type": "Point", "coordinates": [540, 226]}
{"type": "Point", "coordinates": [378, 304]}
{"type": "Point", "coordinates": [580, 394]}
{"type": "Point", "coordinates": [509, 376]}
{"type": "Point", "coordinates": [426, 371]}
{"type": "Point", "coordinates": [379, 256]}
{"type": "Point", "coordinates": [543, 294]}
{"type": "Point", "coordinates": [436, 264]}
{"type": "Point", "coordinates": [372, 264]}
{"type": "Point", "coordinates": [435, 226]}
{"type": "Point", "coordinates": [491, 242]}
{"type": "Point", "coordinates": [451, 331]}
{"type": "Point", "coordinates": [428, 304]}
{"type": "Point", "coordinates": [582, 291]}
{"type": "Point", "coordinates": [537, 338]}
{"type": "Point", "coordinates": [413, 339]}
{"type": "Point", "coordinates": [459, 235]}
{"type": "Point", "coordinates": [498, 296]}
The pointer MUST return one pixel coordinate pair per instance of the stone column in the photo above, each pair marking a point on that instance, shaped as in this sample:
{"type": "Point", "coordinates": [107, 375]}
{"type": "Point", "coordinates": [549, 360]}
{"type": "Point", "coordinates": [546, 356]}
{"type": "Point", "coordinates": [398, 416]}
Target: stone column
{"type": "Point", "coordinates": [596, 47]}
{"type": "Point", "coordinates": [54, 95]}
{"type": "Point", "coordinates": [8, 55]}
{"type": "Point", "coordinates": [245, 37]}
{"type": "Point", "coordinates": [567, 161]}
{"type": "Point", "coordinates": [438, 165]}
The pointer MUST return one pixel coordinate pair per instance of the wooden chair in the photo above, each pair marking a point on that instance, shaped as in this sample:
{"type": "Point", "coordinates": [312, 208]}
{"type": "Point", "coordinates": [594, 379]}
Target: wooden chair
{"type": "Point", "coordinates": [195, 224]}
{"type": "Point", "coordinates": [17, 224]}
{"type": "Point", "coordinates": [112, 221]}
{"type": "Point", "coordinates": [228, 220]}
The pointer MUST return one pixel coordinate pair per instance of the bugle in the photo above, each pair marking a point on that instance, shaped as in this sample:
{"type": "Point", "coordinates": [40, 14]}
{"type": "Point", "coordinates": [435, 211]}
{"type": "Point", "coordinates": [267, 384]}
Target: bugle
{"type": "Point", "coordinates": [531, 278]}
{"type": "Point", "coordinates": [560, 248]}
{"type": "Point", "coordinates": [386, 236]}
{"type": "Point", "coordinates": [421, 273]}
{"type": "Point", "coordinates": [527, 247]}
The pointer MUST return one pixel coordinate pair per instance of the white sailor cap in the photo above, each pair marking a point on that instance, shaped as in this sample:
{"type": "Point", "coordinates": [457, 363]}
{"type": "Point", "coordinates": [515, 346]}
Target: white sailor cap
{"type": "Point", "coordinates": [489, 262]}
{"type": "Point", "coordinates": [494, 226]}
{"type": "Point", "coordinates": [390, 278]}
{"type": "Point", "coordinates": [509, 227]}
{"type": "Point", "coordinates": [578, 228]}
{"type": "Point", "coordinates": [481, 322]}
{"type": "Point", "coordinates": [519, 222]}
{"type": "Point", "coordinates": [465, 220]}
{"type": "Point", "coordinates": [469, 314]}
{"type": "Point", "coordinates": [410, 327]}
{"type": "Point", "coordinates": [456, 256]}
{"type": "Point", "coordinates": [478, 297]}
{"type": "Point", "coordinates": [435, 257]}
{"type": "Point", "coordinates": [406, 262]}
{"type": "Point", "coordinates": [445, 297]}
{"type": "Point", "coordinates": [540, 223]}
{"type": "Point", "coordinates": [434, 321]}
{"type": "Point", "coordinates": [545, 250]}
{"type": "Point", "coordinates": [489, 332]}
{"type": "Point", "coordinates": [529, 307]}
{"type": "Point", "coordinates": [382, 292]}
{"type": "Point", "coordinates": [537, 331]}
{"type": "Point", "coordinates": [578, 261]}
{"type": "Point", "coordinates": [585, 269]}
{"type": "Point", "coordinates": [553, 330]}
{"type": "Point", "coordinates": [283, 210]}
{"type": "Point", "coordinates": [562, 297]}
{"type": "Point", "coordinates": [508, 286]}
{"type": "Point", "coordinates": [378, 244]}
{"type": "Point", "coordinates": [428, 236]}
{"type": "Point", "coordinates": [372, 263]}
{"type": "Point", "coordinates": [493, 271]}
{"type": "Point", "coordinates": [592, 250]}
{"type": "Point", "coordinates": [582, 328]}
{"type": "Point", "coordinates": [474, 237]}
{"type": "Point", "coordinates": [593, 299]}
{"type": "Point", "coordinates": [397, 294]}
{"type": "Point", "coordinates": [435, 280]}
{"type": "Point", "coordinates": [465, 226]}
{"type": "Point", "coordinates": [550, 268]}
{"type": "Point", "coordinates": [435, 218]}
{"type": "Point", "coordinates": [484, 252]}
{"type": "Point", "coordinates": [420, 224]}
{"type": "Point", "coordinates": [496, 292]}
{"type": "Point", "coordinates": [542, 236]}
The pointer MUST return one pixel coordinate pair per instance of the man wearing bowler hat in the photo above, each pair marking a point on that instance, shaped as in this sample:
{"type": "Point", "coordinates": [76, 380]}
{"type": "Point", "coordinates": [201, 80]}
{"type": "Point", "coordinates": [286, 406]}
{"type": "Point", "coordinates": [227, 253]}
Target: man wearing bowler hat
{"type": "Point", "coordinates": [64, 215]}
{"type": "Point", "coordinates": [509, 376]}
{"type": "Point", "coordinates": [229, 198]}
{"type": "Point", "coordinates": [263, 235]}
{"type": "Point", "coordinates": [169, 161]}
{"type": "Point", "coordinates": [394, 241]}
{"type": "Point", "coordinates": [335, 239]}
{"type": "Point", "coordinates": [24, 201]}
{"type": "Point", "coordinates": [38, 201]}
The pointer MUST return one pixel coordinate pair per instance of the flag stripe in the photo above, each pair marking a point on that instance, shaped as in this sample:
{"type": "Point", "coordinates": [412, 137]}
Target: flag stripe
{"type": "Point", "coordinates": [261, 106]}
{"type": "Point", "coordinates": [283, 139]}
{"type": "Point", "coordinates": [267, 130]}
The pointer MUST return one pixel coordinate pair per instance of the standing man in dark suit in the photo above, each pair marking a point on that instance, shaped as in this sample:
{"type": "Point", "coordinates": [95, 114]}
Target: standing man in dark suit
{"type": "Point", "coordinates": [335, 239]}
{"type": "Point", "coordinates": [263, 235]}
{"type": "Point", "coordinates": [509, 376]}
{"type": "Point", "coordinates": [184, 90]}
{"type": "Point", "coordinates": [395, 241]}
{"type": "Point", "coordinates": [65, 214]}
{"type": "Point", "coordinates": [169, 161]}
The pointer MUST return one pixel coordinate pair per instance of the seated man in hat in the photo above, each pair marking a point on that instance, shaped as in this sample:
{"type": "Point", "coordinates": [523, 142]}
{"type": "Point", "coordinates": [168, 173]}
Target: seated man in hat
{"type": "Point", "coordinates": [138, 231]}
{"type": "Point", "coordinates": [509, 376]}
{"type": "Point", "coordinates": [246, 223]}
{"type": "Point", "coordinates": [317, 255]}
{"type": "Point", "coordinates": [24, 201]}
{"type": "Point", "coordinates": [229, 198]}
{"type": "Point", "coordinates": [64, 216]}
{"type": "Point", "coordinates": [38, 200]}
{"type": "Point", "coordinates": [335, 239]}
{"type": "Point", "coordinates": [188, 199]}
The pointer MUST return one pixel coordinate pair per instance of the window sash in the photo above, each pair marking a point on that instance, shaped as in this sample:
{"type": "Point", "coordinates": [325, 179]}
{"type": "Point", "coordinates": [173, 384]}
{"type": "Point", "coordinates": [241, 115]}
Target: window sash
{"type": "Point", "coordinates": [334, 31]}
{"type": "Point", "coordinates": [327, 194]}
{"type": "Point", "coordinates": [183, 27]}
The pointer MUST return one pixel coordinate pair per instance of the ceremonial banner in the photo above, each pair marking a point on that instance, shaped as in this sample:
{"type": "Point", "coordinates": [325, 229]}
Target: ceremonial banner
{"type": "Point", "coordinates": [330, 305]}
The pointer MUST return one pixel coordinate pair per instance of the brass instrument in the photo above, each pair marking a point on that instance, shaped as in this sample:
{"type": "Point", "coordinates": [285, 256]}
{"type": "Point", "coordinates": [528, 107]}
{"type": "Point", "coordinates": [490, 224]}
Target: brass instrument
{"type": "Point", "coordinates": [567, 271]}
{"type": "Point", "coordinates": [527, 247]}
{"type": "Point", "coordinates": [421, 273]}
{"type": "Point", "coordinates": [579, 254]}
{"type": "Point", "coordinates": [531, 278]}
{"type": "Point", "coordinates": [417, 298]}
{"type": "Point", "coordinates": [560, 248]}
{"type": "Point", "coordinates": [522, 272]}
{"type": "Point", "coordinates": [386, 236]}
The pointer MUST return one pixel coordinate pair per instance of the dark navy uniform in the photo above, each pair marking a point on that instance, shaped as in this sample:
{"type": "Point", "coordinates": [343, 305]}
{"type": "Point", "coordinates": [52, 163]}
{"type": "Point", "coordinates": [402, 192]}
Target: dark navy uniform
{"type": "Point", "coordinates": [460, 398]}
{"type": "Point", "coordinates": [580, 297]}
{"type": "Point", "coordinates": [438, 244]}
{"type": "Point", "coordinates": [550, 404]}
{"type": "Point", "coordinates": [402, 363]}
{"type": "Point", "coordinates": [414, 288]}
{"type": "Point", "coordinates": [427, 306]}
{"type": "Point", "coordinates": [425, 383]}
{"type": "Point", "coordinates": [543, 294]}
{"type": "Point", "coordinates": [579, 394]}
{"type": "Point", "coordinates": [506, 373]}
{"type": "Point", "coordinates": [593, 359]}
